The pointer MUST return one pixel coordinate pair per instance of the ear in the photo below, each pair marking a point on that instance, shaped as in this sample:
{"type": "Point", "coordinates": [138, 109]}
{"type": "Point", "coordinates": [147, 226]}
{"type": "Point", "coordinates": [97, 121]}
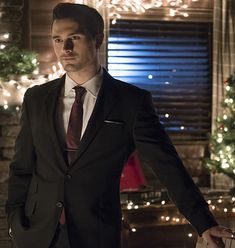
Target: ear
{"type": "Point", "coordinates": [99, 40]}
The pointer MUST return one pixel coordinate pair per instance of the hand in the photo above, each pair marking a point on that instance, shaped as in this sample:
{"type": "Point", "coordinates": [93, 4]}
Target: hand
{"type": "Point", "coordinates": [213, 236]}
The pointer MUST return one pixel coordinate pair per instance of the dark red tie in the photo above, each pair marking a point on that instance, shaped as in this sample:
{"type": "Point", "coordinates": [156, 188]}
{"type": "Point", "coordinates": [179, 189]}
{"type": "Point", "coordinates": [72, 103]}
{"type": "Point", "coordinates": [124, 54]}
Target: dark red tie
{"type": "Point", "coordinates": [74, 130]}
{"type": "Point", "coordinates": [73, 135]}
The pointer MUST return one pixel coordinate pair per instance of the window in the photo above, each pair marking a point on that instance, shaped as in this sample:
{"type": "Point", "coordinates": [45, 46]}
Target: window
{"type": "Point", "coordinates": [173, 61]}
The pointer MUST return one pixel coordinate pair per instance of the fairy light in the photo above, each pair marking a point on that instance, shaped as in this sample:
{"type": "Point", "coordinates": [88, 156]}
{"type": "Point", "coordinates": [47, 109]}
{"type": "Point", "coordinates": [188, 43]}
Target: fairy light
{"type": "Point", "coordinates": [14, 90]}
{"type": "Point", "coordinates": [167, 115]}
{"type": "Point", "coordinates": [133, 229]}
{"type": "Point", "coordinates": [228, 88]}
{"type": "Point", "coordinates": [2, 46]}
{"type": "Point", "coordinates": [190, 235]}
{"type": "Point", "coordinates": [6, 36]}
{"type": "Point", "coordinates": [163, 202]}
{"type": "Point", "coordinates": [129, 207]}
{"type": "Point", "coordinates": [116, 7]}
{"type": "Point", "coordinates": [228, 148]}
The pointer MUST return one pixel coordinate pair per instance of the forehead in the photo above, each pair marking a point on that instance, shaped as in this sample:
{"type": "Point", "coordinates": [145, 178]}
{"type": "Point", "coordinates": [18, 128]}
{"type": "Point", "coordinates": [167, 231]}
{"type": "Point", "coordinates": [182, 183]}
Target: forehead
{"type": "Point", "coordinates": [65, 26]}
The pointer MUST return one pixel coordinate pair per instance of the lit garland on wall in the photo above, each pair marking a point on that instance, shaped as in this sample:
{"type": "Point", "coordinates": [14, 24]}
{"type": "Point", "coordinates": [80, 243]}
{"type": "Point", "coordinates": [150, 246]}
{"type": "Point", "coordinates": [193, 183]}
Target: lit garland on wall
{"type": "Point", "coordinates": [222, 206]}
{"type": "Point", "coordinates": [116, 7]}
{"type": "Point", "coordinates": [12, 91]}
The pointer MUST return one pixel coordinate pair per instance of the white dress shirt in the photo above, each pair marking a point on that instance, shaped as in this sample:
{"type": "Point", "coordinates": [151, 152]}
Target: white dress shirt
{"type": "Point", "coordinates": [67, 97]}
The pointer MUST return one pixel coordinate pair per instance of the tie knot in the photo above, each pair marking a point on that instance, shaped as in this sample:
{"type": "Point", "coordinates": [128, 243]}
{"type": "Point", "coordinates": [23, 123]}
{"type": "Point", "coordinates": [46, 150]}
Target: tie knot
{"type": "Point", "coordinates": [79, 92]}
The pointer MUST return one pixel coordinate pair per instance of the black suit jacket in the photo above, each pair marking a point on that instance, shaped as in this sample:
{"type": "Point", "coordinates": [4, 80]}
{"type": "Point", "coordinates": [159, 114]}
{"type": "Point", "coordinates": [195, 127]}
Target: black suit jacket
{"type": "Point", "coordinates": [41, 182]}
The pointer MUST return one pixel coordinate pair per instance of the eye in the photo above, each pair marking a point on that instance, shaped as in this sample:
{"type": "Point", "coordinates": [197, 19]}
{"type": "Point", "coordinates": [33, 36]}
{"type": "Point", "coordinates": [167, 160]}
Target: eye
{"type": "Point", "coordinates": [58, 40]}
{"type": "Point", "coordinates": [75, 37]}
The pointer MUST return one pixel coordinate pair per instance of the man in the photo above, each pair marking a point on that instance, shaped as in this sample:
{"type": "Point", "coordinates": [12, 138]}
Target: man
{"type": "Point", "coordinates": [74, 141]}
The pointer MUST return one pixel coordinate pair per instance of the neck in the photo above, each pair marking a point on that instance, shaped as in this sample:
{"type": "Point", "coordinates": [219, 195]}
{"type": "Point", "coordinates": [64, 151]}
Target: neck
{"type": "Point", "coordinates": [84, 74]}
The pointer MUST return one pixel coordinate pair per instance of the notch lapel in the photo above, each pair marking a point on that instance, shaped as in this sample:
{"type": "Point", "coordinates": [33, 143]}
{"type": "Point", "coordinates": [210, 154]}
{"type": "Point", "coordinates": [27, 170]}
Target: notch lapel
{"type": "Point", "coordinates": [50, 105]}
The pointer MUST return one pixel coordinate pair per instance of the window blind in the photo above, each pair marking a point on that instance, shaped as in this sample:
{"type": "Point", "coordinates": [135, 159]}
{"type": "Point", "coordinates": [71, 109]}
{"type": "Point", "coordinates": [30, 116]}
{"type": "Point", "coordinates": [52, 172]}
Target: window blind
{"type": "Point", "coordinates": [173, 61]}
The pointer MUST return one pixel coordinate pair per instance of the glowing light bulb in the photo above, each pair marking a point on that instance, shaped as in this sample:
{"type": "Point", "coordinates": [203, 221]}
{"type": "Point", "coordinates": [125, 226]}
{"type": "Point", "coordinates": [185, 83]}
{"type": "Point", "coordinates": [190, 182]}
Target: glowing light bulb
{"type": "Point", "coordinates": [6, 36]}
{"type": "Point", "coordinates": [167, 218]}
{"type": "Point", "coordinates": [228, 148]}
{"type": "Point", "coordinates": [228, 88]}
{"type": "Point", "coordinates": [2, 46]}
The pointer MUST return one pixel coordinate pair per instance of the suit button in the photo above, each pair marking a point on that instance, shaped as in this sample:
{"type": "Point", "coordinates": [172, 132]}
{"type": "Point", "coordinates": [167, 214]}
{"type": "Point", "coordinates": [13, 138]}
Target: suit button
{"type": "Point", "coordinates": [59, 204]}
{"type": "Point", "coordinates": [68, 176]}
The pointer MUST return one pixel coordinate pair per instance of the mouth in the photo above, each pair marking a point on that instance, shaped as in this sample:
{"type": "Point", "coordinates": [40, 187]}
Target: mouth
{"type": "Point", "coordinates": [68, 57]}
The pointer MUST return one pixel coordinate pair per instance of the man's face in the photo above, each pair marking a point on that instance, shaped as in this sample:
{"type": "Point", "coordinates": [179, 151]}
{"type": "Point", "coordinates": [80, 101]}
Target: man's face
{"type": "Point", "coordinates": [75, 50]}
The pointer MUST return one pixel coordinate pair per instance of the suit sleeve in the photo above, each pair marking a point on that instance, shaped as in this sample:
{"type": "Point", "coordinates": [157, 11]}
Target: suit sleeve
{"type": "Point", "coordinates": [21, 167]}
{"type": "Point", "coordinates": [156, 149]}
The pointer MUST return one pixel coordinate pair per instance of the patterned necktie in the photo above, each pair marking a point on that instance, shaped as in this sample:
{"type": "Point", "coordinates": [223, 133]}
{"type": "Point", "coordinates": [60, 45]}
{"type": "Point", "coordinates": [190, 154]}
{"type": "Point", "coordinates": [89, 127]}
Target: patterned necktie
{"type": "Point", "coordinates": [73, 135]}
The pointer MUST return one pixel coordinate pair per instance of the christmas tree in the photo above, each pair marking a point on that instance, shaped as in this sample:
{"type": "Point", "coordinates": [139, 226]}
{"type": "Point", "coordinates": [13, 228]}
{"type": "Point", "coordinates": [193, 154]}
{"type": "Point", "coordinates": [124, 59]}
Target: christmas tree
{"type": "Point", "coordinates": [222, 141]}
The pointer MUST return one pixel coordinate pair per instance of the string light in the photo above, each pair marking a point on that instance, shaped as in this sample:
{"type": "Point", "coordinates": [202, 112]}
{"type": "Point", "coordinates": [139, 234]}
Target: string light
{"type": "Point", "coordinates": [12, 92]}
{"type": "Point", "coordinates": [6, 36]}
{"type": "Point", "coordinates": [116, 7]}
{"type": "Point", "coordinates": [2, 46]}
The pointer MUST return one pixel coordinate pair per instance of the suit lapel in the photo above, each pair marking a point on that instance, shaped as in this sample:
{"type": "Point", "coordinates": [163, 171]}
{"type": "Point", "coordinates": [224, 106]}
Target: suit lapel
{"type": "Point", "coordinates": [105, 102]}
{"type": "Point", "coordinates": [50, 105]}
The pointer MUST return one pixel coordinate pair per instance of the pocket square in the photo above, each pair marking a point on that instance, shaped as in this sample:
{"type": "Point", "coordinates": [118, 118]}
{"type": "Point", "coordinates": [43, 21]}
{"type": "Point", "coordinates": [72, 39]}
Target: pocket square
{"type": "Point", "coordinates": [114, 122]}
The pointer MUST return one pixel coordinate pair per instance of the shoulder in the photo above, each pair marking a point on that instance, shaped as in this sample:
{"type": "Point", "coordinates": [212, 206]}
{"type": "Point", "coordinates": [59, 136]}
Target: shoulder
{"type": "Point", "coordinates": [126, 89]}
{"type": "Point", "coordinates": [43, 89]}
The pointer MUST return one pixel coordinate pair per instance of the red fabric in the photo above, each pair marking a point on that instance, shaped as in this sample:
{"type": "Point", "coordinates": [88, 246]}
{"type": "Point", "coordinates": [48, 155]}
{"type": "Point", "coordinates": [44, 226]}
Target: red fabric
{"type": "Point", "coordinates": [132, 175]}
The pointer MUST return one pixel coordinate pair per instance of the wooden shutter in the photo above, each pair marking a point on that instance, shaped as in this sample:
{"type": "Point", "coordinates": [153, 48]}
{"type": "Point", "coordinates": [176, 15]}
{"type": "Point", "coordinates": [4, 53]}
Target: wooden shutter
{"type": "Point", "coordinates": [173, 61]}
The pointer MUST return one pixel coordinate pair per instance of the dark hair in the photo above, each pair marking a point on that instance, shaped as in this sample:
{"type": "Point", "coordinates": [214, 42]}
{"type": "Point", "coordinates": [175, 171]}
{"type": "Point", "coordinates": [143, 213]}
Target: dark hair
{"type": "Point", "coordinates": [89, 20]}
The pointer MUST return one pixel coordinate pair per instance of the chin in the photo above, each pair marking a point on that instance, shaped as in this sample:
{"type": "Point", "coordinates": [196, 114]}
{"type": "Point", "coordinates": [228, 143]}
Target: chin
{"type": "Point", "coordinates": [70, 67]}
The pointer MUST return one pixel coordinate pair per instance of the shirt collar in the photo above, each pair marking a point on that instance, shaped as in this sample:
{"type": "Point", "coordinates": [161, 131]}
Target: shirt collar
{"type": "Point", "coordinates": [92, 85]}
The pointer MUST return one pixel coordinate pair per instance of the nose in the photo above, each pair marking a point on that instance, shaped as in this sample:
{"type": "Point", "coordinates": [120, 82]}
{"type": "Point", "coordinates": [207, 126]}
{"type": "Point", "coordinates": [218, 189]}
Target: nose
{"type": "Point", "coordinates": [68, 45]}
